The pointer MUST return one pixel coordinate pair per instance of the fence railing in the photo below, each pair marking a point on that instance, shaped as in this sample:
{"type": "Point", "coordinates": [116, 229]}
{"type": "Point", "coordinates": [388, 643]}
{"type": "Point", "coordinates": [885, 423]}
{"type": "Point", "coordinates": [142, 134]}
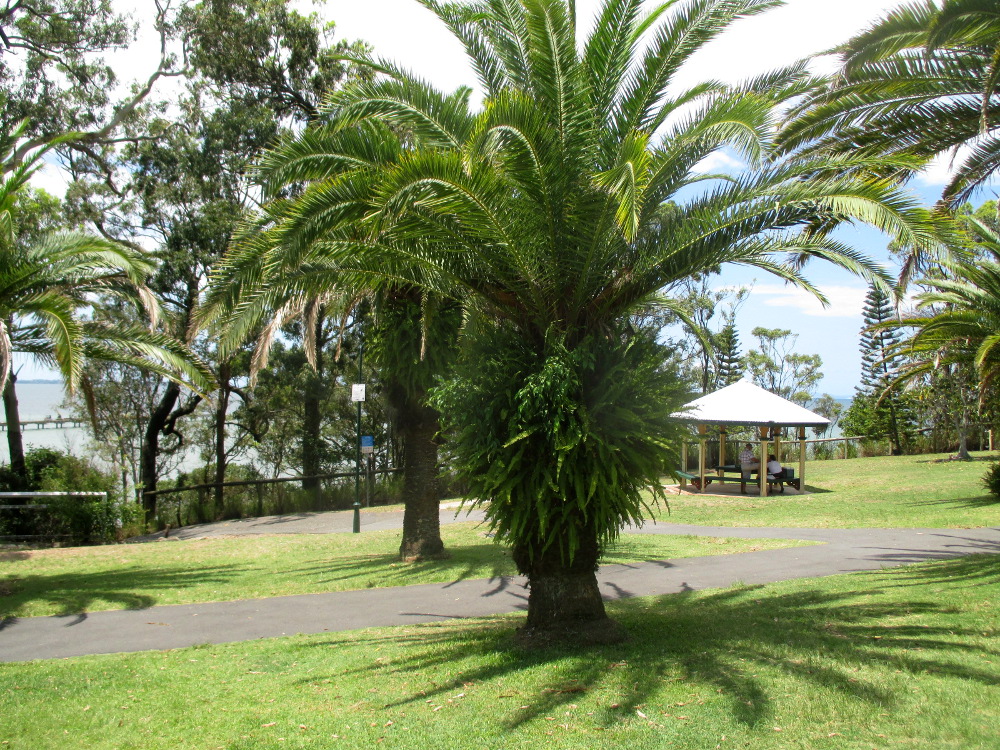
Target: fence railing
{"type": "Point", "coordinates": [848, 446]}
{"type": "Point", "coordinates": [197, 503]}
{"type": "Point", "coordinates": [36, 507]}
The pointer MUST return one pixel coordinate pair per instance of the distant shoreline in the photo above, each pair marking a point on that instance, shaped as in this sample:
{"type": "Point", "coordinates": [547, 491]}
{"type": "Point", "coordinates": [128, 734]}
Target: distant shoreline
{"type": "Point", "coordinates": [39, 382]}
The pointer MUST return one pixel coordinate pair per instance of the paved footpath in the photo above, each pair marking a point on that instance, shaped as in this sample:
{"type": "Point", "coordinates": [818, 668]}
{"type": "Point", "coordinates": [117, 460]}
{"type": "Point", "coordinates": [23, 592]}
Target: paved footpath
{"type": "Point", "coordinates": [155, 628]}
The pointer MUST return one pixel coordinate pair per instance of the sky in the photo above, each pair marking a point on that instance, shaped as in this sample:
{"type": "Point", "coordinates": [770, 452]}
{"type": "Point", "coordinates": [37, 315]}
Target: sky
{"type": "Point", "coordinates": [407, 33]}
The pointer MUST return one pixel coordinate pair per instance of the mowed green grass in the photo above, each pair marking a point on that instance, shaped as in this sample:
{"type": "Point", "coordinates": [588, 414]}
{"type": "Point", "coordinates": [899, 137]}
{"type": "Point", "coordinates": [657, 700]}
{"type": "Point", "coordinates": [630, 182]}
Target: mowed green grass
{"type": "Point", "coordinates": [132, 576]}
{"type": "Point", "coordinates": [902, 491]}
{"type": "Point", "coordinates": [908, 658]}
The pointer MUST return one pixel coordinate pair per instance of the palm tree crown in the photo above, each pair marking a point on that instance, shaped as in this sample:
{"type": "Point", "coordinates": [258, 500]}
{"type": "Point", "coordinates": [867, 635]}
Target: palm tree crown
{"type": "Point", "coordinates": [47, 287]}
{"type": "Point", "coordinates": [924, 80]}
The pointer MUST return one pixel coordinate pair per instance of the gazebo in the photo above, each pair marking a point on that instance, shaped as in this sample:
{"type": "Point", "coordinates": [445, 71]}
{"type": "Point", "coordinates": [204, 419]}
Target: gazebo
{"type": "Point", "coordinates": [748, 405]}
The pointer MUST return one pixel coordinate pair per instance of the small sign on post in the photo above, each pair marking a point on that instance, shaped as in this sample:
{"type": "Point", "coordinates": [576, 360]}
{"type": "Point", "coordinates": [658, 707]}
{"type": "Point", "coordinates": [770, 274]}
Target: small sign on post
{"type": "Point", "coordinates": [358, 392]}
{"type": "Point", "coordinates": [367, 444]}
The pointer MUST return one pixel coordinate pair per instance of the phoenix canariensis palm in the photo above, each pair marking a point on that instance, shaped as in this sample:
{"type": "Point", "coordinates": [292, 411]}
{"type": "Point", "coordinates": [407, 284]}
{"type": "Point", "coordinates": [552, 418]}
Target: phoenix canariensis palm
{"type": "Point", "coordinates": [544, 213]}
{"type": "Point", "coordinates": [923, 80]}
{"type": "Point", "coordinates": [49, 288]}
{"type": "Point", "coordinates": [256, 289]}
{"type": "Point", "coordinates": [955, 335]}
{"type": "Point", "coordinates": [958, 318]}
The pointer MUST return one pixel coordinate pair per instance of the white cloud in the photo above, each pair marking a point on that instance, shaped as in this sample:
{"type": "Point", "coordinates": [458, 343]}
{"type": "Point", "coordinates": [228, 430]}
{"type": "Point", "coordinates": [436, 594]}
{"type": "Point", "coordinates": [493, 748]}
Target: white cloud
{"type": "Point", "coordinates": [844, 301]}
{"type": "Point", "coordinates": [719, 162]}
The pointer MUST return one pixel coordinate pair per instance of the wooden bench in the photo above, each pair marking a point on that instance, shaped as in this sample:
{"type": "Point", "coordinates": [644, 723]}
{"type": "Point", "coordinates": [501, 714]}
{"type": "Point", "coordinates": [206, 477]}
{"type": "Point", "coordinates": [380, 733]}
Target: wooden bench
{"type": "Point", "coordinates": [782, 482]}
{"type": "Point", "coordinates": [709, 478]}
{"type": "Point", "coordinates": [772, 481]}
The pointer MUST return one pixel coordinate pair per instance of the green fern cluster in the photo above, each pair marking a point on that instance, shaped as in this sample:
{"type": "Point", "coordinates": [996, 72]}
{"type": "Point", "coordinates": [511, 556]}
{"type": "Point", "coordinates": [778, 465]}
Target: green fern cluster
{"type": "Point", "coordinates": [563, 445]}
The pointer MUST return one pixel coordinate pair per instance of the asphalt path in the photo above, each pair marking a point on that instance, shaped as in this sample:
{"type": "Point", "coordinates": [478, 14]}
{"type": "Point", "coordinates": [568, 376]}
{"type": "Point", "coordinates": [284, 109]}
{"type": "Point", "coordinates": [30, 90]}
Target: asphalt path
{"type": "Point", "coordinates": [178, 626]}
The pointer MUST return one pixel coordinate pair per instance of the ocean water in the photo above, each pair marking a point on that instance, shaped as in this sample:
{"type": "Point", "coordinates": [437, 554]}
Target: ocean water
{"type": "Point", "coordinates": [45, 401]}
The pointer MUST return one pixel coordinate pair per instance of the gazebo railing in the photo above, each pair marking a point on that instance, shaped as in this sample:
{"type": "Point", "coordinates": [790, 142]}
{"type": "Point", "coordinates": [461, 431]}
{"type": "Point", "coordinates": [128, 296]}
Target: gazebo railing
{"type": "Point", "coordinates": [842, 447]}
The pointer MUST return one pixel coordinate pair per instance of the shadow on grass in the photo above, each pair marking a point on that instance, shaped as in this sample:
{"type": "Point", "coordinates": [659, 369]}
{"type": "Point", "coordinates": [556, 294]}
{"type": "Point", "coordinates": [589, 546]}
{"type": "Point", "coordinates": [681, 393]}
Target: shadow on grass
{"type": "Point", "coordinates": [973, 570]}
{"type": "Point", "coordinates": [464, 562]}
{"type": "Point", "coordinates": [745, 644]}
{"type": "Point", "coordinates": [371, 571]}
{"type": "Point", "coordinates": [977, 501]}
{"type": "Point", "coordinates": [954, 459]}
{"type": "Point", "coordinates": [127, 587]}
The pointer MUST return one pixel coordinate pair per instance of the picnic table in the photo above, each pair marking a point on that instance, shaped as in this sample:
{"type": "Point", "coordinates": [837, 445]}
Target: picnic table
{"type": "Point", "coordinates": [733, 473]}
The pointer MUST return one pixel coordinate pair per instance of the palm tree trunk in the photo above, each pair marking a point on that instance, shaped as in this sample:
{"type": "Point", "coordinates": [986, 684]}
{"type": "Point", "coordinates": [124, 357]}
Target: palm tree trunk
{"type": "Point", "coordinates": [564, 599]}
{"type": "Point", "coordinates": [421, 514]}
{"type": "Point", "coordinates": [15, 443]}
{"type": "Point", "coordinates": [963, 437]}
{"type": "Point", "coordinates": [312, 422]}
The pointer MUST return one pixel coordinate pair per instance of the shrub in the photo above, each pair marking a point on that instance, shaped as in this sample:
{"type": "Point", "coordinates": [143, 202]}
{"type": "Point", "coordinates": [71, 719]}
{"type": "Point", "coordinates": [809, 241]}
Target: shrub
{"type": "Point", "coordinates": [77, 520]}
{"type": "Point", "coordinates": [991, 480]}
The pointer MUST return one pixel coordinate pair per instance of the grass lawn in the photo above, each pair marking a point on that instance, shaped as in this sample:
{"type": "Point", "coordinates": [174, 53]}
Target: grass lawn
{"type": "Point", "coordinates": [907, 491]}
{"type": "Point", "coordinates": [907, 658]}
{"type": "Point", "coordinates": [131, 576]}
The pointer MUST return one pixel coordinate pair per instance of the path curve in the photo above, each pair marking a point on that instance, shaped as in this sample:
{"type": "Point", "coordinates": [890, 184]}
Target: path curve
{"type": "Point", "coordinates": [177, 626]}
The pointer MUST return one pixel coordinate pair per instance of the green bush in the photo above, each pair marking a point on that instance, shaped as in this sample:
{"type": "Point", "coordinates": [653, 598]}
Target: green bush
{"type": "Point", "coordinates": [75, 520]}
{"type": "Point", "coordinates": [991, 480]}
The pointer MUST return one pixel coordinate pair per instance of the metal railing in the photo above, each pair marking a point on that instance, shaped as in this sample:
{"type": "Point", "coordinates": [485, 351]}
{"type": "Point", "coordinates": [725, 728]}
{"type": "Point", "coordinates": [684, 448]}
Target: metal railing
{"type": "Point", "coordinates": [39, 507]}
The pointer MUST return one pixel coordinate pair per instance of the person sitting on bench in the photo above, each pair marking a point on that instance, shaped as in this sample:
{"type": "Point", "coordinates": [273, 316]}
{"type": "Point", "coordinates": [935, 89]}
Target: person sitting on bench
{"type": "Point", "coordinates": [748, 462]}
{"type": "Point", "coordinates": [775, 472]}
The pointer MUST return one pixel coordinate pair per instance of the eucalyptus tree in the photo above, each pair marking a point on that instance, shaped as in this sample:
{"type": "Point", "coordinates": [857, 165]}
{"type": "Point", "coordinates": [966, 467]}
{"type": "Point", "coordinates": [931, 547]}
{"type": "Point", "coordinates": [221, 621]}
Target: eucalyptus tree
{"type": "Point", "coordinates": [183, 180]}
{"type": "Point", "coordinates": [542, 213]}
{"type": "Point", "coordinates": [923, 80]}
{"type": "Point", "coordinates": [56, 76]}
{"type": "Point", "coordinates": [775, 366]}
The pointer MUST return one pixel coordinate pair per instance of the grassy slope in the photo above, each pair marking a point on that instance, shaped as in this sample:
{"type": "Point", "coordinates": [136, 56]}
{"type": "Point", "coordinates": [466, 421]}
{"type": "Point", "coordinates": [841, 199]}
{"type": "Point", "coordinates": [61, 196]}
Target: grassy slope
{"type": "Point", "coordinates": [896, 659]}
{"type": "Point", "coordinates": [88, 579]}
{"type": "Point", "coordinates": [910, 491]}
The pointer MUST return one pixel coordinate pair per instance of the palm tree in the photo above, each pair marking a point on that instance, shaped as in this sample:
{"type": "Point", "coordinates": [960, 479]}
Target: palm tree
{"type": "Point", "coordinates": [48, 290]}
{"type": "Point", "coordinates": [257, 288]}
{"type": "Point", "coordinates": [924, 80]}
{"type": "Point", "coordinates": [544, 213]}
{"type": "Point", "coordinates": [956, 336]}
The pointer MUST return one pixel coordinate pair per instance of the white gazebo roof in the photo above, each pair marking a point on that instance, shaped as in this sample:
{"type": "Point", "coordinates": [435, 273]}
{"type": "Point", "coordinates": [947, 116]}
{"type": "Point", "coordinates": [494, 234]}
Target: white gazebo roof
{"type": "Point", "coordinates": [747, 404]}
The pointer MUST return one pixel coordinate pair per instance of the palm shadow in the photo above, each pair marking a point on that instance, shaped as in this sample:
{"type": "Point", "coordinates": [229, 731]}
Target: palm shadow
{"type": "Point", "coordinates": [126, 587]}
{"type": "Point", "coordinates": [720, 640]}
{"type": "Point", "coordinates": [385, 570]}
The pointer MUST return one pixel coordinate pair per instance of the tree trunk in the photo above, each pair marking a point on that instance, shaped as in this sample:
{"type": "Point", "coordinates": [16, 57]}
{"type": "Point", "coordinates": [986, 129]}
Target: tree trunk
{"type": "Point", "coordinates": [221, 408]}
{"type": "Point", "coordinates": [963, 438]}
{"type": "Point", "coordinates": [151, 447]}
{"type": "Point", "coordinates": [311, 423]}
{"type": "Point", "coordinates": [894, 442]}
{"type": "Point", "coordinates": [15, 443]}
{"type": "Point", "coordinates": [564, 600]}
{"type": "Point", "coordinates": [421, 513]}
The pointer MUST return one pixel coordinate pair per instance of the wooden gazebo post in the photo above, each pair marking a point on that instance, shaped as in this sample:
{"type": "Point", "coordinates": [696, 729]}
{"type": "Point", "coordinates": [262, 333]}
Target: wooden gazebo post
{"type": "Point", "coordinates": [722, 446]}
{"type": "Point", "coordinates": [684, 460]}
{"type": "Point", "coordinates": [702, 430]}
{"type": "Point", "coordinates": [802, 459]}
{"type": "Point", "coordinates": [764, 432]}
